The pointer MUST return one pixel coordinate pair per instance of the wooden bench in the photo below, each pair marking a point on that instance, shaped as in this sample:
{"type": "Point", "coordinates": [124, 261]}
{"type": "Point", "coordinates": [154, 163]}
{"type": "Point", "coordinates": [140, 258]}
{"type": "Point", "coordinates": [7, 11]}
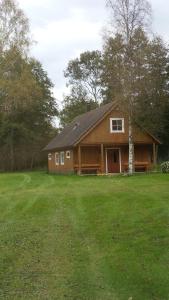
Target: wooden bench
{"type": "Point", "coordinates": [139, 166]}
{"type": "Point", "coordinates": [88, 168]}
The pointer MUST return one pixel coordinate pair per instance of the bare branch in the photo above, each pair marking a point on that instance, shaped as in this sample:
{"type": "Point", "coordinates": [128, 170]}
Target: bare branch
{"type": "Point", "coordinates": [128, 15]}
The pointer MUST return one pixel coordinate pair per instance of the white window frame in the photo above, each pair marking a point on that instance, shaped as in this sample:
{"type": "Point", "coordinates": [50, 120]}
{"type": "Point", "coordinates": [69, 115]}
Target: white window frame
{"type": "Point", "coordinates": [111, 127]}
{"type": "Point", "coordinates": [68, 154]}
{"type": "Point", "coordinates": [57, 158]}
{"type": "Point", "coordinates": [62, 158]}
{"type": "Point", "coordinates": [49, 156]}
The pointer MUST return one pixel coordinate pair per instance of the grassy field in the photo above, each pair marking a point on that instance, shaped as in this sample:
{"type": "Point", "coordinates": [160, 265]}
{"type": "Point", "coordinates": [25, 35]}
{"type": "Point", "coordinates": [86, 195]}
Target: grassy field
{"type": "Point", "coordinates": [84, 238]}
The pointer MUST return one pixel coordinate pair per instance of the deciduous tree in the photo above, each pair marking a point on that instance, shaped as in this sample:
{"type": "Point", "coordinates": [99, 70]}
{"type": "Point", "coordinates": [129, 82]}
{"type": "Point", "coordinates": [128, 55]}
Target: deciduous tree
{"type": "Point", "coordinates": [85, 72]}
{"type": "Point", "coordinates": [84, 81]}
{"type": "Point", "coordinates": [76, 103]}
{"type": "Point", "coordinates": [14, 27]}
{"type": "Point", "coordinates": [26, 117]}
{"type": "Point", "coordinates": [128, 16]}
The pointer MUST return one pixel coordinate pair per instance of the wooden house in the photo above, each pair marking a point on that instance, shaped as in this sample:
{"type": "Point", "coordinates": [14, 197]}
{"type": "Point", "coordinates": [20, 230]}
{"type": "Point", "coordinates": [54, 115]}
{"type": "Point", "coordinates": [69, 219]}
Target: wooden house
{"type": "Point", "coordinates": [97, 142]}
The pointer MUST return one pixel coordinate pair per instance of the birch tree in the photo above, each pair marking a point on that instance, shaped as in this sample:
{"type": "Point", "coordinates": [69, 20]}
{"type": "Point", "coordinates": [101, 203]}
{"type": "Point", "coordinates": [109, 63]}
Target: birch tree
{"type": "Point", "coordinates": [14, 27]}
{"type": "Point", "coordinates": [27, 105]}
{"type": "Point", "coordinates": [129, 16]}
{"type": "Point", "coordinates": [14, 44]}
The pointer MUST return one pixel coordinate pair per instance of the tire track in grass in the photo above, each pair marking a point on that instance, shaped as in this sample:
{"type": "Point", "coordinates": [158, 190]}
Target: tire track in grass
{"type": "Point", "coordinates": [17, 203]}
{"type": "Point", "coordinates": [13, 196]}
{"type": "Point", "coordinates": [23, 198]}
{"type": "Point", "coordinates": [24, 195]}
{"type": "Point", "coordinates": [54, 272]}
{"type": "Point", "coordinates": [27, 233]}
{"type": "Point", "coordinates": [8, 196]}
{"type": "Point", "coordinates": [26, 180]}
{"type": "Point", "coordinates": [87, 280]}
{"type": "Point", "coordinates": [37, 193]}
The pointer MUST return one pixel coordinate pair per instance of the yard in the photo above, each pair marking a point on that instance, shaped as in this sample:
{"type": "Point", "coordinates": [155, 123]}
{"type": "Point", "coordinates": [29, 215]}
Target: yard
{"type": "Point", "coordinates": [84, 238]}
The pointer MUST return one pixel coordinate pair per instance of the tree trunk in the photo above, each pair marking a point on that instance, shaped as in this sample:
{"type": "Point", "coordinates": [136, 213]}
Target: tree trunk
{"type": "Point", "coordinates": [32, 161]}
{"type": "Point", "coordinates": [12, 151]}
{"type": "Point", "coordinates": [131, 148]}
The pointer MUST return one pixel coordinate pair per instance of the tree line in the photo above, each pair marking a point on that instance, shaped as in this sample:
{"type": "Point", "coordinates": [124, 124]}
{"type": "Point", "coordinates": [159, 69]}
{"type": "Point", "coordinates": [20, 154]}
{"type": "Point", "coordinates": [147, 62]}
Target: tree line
{"type": "Point", "coordinates": [132, 69]}
{"type": "Point", "coordinates": [27, 105]}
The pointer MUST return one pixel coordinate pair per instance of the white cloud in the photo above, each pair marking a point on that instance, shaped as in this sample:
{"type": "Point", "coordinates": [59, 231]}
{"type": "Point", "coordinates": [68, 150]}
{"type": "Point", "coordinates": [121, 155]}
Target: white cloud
{"type": "Point", "coordinates": [62, 40]}
{"type": "Point", "coordinates": [64, 29]}
{"type": "Point", "coordinates": [26, 4]}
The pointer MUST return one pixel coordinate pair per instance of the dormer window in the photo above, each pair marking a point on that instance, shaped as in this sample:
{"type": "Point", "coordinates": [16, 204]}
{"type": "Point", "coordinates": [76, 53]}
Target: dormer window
{"type": "Point", "coordinates": [75, 126]}
{"type": "Point", "coordinates": [117, 125]}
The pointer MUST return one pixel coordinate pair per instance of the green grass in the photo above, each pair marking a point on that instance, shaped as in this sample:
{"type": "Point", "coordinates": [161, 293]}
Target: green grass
{"type": "Point", "coordinates": [84, 238]}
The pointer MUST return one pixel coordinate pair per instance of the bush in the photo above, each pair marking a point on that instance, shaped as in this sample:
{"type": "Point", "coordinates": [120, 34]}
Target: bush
{"type": "Point", "coordinates": [165, 167]}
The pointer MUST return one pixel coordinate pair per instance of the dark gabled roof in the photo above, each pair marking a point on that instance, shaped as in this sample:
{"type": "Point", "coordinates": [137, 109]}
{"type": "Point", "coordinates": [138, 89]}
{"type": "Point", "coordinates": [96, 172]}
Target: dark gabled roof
{"type": "Point", "coordinates": [72, 133]}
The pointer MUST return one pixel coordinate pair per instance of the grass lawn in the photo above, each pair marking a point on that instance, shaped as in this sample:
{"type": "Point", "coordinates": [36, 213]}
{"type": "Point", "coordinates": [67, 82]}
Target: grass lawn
{"type": "Point", "coordinates": [84, 238]}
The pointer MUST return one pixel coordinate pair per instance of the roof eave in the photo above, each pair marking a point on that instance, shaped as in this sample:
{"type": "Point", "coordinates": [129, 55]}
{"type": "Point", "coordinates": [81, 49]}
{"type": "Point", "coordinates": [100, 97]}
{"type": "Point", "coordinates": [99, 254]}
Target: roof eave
{"type": "Point", "coordinates": [114, 105]}
{"type": "Point", "coordinates": [58, 148]}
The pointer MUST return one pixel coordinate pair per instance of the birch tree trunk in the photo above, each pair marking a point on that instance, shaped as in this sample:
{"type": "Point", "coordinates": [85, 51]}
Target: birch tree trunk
{"type": "Point", "coordinates": [131, 148]}
{"type": "Point", "coordinates": [129, 15]}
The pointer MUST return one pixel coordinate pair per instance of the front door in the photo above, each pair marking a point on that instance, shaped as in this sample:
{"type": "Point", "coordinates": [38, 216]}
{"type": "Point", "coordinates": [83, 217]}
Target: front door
{"type": "Point", "coordinates": [113, 161]}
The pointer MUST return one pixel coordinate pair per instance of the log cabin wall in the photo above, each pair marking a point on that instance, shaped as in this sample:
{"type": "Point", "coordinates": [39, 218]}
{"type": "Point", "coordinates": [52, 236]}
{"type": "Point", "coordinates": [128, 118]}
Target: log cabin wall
{"type": "Point", "coordinates": [101, 133]}
{"type": "Point", "coordinates": [100, 138]}
{"type": "Point", "coordinates": [67, 167]}
{"type": "Point", "coordinates": [142, 153]}
{"type": "Point", "coordinates": [90, 159]}
{"type": "Point", "coordinates": [89, 155]}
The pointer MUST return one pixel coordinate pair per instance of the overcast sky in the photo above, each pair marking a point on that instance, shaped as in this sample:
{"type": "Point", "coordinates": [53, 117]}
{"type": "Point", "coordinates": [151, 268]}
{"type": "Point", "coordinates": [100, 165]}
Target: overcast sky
{"type": "Point", "coordinates": [65, 28]}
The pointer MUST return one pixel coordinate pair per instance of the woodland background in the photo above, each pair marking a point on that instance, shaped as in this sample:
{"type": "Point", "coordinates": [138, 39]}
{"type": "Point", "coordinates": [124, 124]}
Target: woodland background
{"type": "Point", "coordinates": [28, 107]}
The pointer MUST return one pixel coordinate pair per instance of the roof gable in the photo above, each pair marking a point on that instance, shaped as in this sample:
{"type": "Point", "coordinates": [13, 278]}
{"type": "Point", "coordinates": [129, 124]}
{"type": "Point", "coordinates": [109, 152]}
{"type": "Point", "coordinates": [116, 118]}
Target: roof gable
{"type": "Point", "coordinates": [101, 133]}
{"type": "Point", "coordinates": [73, 132]}
{"type": "Point", "coordinates": [85, 125]}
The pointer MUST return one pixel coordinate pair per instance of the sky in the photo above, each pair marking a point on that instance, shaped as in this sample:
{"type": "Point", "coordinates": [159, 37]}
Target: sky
{"type": "Point", "coordinates": [63, 29]}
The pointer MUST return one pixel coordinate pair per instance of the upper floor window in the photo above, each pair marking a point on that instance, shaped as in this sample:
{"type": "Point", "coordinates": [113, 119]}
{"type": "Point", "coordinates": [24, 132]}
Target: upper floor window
{"type": "Point", "coordinates": [62, 158]}
{"type": "Point", "coordinates": [116, 125]}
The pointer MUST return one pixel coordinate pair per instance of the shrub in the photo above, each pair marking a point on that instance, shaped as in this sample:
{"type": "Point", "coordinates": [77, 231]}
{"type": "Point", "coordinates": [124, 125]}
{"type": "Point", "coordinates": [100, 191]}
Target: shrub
{"type": "Point", "coordinates": [165, 167]}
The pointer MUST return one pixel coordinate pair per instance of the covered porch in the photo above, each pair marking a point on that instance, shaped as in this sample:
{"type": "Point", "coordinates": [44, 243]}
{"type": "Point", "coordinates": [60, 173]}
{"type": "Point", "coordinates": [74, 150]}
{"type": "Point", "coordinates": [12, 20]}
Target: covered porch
{"type": "Point", "coordinates": [113, 158]}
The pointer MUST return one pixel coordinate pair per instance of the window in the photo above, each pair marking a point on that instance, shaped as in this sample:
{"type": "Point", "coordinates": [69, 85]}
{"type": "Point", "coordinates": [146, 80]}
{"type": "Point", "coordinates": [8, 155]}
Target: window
{"type": "Point", "coordinates": [76, 125]}
{"type": "Point", "coordinates": [68, 154]}
{"type": "Point", "coordinates": [49, 156]}
{"type": "Point", "coordinates": [62, 158]}
{"type": "Point", "coordinates": [57, 158]}
{"type": "Point", "coordinates": [116, 125]}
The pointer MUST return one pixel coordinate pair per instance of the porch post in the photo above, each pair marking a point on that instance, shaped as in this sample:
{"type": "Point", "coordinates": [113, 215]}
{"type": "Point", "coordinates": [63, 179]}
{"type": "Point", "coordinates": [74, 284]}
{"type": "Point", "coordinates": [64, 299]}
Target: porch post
{"type": "Point", "coordinates": [79, 161]}
{"type": "Point", "coordinates": [154, 154]}
{"type": "Point", "coordinates": [102, 159]}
